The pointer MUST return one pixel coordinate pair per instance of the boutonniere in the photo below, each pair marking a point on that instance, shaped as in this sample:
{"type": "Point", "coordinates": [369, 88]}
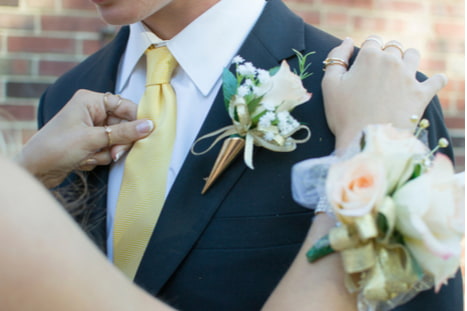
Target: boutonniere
{"type": "Point", "coordinates": [259, 103]}
{"type": "Point", "coordinates": [401, 217]}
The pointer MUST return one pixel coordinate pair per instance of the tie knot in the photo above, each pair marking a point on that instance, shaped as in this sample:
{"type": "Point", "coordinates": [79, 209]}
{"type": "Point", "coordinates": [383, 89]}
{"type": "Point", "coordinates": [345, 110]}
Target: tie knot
{"type": "Point", "coordinates": [160, 65]}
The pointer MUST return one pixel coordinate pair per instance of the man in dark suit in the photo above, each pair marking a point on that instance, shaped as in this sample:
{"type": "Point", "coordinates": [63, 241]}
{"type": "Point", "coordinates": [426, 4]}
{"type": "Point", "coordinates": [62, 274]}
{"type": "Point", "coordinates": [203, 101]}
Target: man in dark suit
{"type": "Point", "coordinates": [227, 249]}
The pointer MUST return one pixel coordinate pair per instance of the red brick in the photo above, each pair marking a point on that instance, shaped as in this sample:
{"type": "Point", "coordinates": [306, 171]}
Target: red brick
{"type": "Point", "coordinates": [311, 17]}
{"type": "Point", "coordinates": [17, 66]}
{"type": "Point", "coordinates": [406, 6]}
{"type": "Point", "coordinates": [460, 104]}
{"type": "Point", "coordinates": [455, 85]}
{"type": "Point", "coordinates": [455, 122]}
{"type": "Point", "coordinates": [71, 23]}
{"type": "Point", "coordinates": [40, 45]}
{"type": "Point", "coordinates": [337, 19]}
{"type": "Point", "coordinates": [17, 21]}
{"type": "Point", "coordinates": [437, 65]}
{"type": "Point", "coordinates": [376, 24]}
{"type": "Point", "coordinates": [350, 3]}
{"type": "Point", "coordinates": [441, 8]}
{"type": "Point", "coordinates": [25, 89]}
{"type": "Point", "coordinates": [20, 113]}
{"type": "Point", "coordinates": [78, 4]}
{"type": "Point", "coordinates": [91, 46]}
{"type": "Point", "coordinates": [52, 68]}
{"type": "Point", "coordinates": [449, 29]}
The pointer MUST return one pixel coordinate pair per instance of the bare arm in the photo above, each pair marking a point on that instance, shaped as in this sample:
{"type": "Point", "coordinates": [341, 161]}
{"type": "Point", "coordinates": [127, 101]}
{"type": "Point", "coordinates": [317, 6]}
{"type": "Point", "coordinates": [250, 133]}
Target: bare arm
{"type": "Point", "coordinates": [380, 87]}
{"type": "Point", "coordinates": [47, 262]}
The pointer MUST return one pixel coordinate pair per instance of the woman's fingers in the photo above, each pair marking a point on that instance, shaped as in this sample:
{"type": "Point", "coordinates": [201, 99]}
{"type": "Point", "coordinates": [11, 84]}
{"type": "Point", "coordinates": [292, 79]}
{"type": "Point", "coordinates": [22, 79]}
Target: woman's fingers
{"type": "Point", "coordinates": [395, 48]}
{"type": "Point", "coordinates": [411, 60]}
{"type": "Point", "coordinates": [337, 62]}
{"type": "Point", "coordinates": [115, 105]}
{"type": "Point", "coordinates": [373, 42]}
{"type": "Point", "coordinates": [119, 134]}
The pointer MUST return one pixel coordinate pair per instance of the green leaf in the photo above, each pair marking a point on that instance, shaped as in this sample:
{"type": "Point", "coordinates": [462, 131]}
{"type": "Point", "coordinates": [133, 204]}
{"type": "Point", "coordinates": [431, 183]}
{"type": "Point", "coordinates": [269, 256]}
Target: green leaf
{"type": "Point", "coordinates": [253, 104]}
{"type": "Point", "coordinates": [321, 248]}
{"type": "Point", "coordinates": [382, 223]}
{"type": "Point", "coordinates": [229, 86]}
{"type": "Point", "coordinates": [274, 70]}
{"type": "Point", "coordinates": [255, 119]}
{"type": "Point", "coordinates": [417, 171]}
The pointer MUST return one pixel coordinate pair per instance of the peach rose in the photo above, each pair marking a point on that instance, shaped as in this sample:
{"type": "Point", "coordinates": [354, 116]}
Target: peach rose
{"type": "Point", "coordinates": [356, 186]}
{"type": "Point", "coordinates": [282, 92]}
{"type": "Point", "coordinates": [430, 215]}
{"type": "Point", "coordinates": [397, 148]}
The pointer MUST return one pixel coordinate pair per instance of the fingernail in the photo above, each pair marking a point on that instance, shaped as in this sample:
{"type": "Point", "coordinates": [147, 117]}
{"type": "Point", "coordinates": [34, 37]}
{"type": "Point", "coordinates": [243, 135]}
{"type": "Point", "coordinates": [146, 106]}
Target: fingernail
{"type": "Point", "coordinates": [145, 127]}
{"type": "Point", "coordinates": [118, 155]}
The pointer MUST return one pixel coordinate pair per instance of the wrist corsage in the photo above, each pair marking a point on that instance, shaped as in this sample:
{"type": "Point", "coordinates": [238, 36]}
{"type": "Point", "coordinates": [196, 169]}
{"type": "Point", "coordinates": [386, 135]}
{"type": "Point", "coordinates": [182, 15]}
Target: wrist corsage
{"type": "Point", "coordinates": [259, 103]}
{"type": "Point", "coordinates": [400, 216]}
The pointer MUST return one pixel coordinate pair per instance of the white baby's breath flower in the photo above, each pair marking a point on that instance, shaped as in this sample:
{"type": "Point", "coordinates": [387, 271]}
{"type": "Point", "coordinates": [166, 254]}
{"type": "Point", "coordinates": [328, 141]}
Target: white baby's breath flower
{"type": "Point", "coordinates": [266, 119]}
{"type": "Point", "coordinates": [268, 136]}
{"type": "Point", "coordinates": [238, 60]}
{"type": "Point", "coordinates": [263, 76]}
{"type": "Point", "coordinates": [267, 106]}
{"type": "Point", "coordinates": [246, 69]}
{"type": "Point", "coordinates": [287, 123]}
{"type": "Point", "coordinates": [248, 82]}
{"type": "Point", "coordinates": [243, 90]}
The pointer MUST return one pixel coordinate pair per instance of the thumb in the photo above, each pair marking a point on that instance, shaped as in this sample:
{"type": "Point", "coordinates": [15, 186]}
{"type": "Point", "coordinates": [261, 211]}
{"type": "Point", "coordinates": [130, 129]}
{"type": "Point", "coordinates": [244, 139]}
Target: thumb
{"type": "Point", "coordinates": [434, 84]}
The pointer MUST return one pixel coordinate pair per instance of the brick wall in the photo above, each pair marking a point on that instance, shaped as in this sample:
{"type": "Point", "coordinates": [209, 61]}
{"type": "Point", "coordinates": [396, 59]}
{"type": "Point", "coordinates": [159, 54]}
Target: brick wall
{"type": "Point", "coordinates": [40, 39]}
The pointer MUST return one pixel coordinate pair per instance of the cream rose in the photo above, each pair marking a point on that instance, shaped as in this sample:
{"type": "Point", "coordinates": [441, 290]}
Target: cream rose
{"type": "Point", "coordinates": [398, 148]}
{"type": "Point", "coordinates": [282, 92]}
{"type": "Point", "coordinates": [430, 215]}
{"type": "Point", "coordinates": [356, 186]}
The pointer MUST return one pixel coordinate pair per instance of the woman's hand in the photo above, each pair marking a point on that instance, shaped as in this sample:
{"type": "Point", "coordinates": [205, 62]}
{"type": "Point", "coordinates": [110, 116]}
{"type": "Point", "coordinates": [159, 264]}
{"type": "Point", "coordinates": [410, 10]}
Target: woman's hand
{"type": "Point", "coordinates": [379, 87]}
{"type": "Point", "coordinates": [91, 129]}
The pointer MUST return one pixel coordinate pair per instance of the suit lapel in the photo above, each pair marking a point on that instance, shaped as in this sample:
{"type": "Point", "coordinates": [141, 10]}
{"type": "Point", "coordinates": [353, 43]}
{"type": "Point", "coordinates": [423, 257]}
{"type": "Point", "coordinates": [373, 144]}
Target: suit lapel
{"type": "Point", "coordinates": [186, 212]}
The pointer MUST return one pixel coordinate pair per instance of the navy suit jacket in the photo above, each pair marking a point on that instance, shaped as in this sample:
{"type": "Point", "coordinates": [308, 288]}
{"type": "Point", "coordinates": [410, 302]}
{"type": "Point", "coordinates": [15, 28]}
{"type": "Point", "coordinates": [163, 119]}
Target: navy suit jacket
{"type": "Point", "coordinates": [227, 249]}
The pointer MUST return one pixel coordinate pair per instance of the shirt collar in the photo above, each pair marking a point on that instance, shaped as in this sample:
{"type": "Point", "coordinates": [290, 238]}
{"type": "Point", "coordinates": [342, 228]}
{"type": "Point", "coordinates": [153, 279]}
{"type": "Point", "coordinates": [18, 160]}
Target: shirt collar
{"type": "Point", "coordinates": [200, 45]}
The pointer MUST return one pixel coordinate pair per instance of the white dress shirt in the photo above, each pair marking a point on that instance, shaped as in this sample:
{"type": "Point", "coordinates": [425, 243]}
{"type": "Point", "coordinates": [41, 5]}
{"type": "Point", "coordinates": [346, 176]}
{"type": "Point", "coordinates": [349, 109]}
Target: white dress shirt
{"type": "Point", "coordinates": [203, 49]}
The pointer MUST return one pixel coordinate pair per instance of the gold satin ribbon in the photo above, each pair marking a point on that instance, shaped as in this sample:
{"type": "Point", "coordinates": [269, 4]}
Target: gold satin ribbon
{"type": "Point", "coordinates": [252, 136]}
{"type": "Point", "coordinates": [385, 269]}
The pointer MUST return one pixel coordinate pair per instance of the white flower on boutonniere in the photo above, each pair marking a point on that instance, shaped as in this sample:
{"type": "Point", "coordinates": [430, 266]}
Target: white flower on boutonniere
{"type": "Point", "coordinates": [259, 103]}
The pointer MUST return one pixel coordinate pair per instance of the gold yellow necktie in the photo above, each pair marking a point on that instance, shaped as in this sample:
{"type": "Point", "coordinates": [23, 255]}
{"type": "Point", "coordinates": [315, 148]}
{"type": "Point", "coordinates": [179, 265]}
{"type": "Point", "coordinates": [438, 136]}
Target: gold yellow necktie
{"type": "Point", "coordinates": [143, 186]}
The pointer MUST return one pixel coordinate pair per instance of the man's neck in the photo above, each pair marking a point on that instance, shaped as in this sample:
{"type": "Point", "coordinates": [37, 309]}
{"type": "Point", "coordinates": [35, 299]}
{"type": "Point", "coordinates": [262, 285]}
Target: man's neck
{"type": "Point", "coordinates": [174, 17]}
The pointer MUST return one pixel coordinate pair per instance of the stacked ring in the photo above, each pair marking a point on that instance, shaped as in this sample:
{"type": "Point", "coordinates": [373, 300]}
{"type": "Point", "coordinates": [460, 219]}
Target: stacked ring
{"type": "Point", "coordinates": [380, 43]}
{"type": "Point", "coordinates": [394, 44]}
{"type": "Point", "coordinates": [334, 61]}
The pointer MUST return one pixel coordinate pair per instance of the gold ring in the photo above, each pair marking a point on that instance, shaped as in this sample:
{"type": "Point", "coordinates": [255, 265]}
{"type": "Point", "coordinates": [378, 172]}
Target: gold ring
{"type": "Point", "coordinates": [106, 98]}
{"type": "Point", "coordinates": [120, 100]}
{"type": "Point", "coordinates": [394, 45]}
{"type": "Point", "coordinates": [334, 61]}
{"type": "Point", "coordinates": [380, 43]}
{"type": "Point", "coordinates": [108, 132]}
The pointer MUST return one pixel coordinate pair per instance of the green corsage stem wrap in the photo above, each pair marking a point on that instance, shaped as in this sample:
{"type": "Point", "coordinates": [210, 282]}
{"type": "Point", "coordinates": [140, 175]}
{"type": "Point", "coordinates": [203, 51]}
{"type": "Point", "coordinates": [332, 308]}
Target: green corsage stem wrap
{"type": "Point", "coordinates": [321, 248]}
